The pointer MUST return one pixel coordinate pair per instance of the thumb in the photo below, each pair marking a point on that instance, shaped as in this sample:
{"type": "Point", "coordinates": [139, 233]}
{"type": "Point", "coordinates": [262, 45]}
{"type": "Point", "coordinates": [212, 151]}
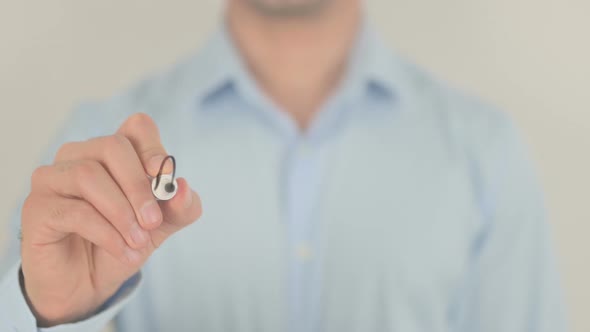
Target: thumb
{"type": "Point", "coordinates": [179, 212]}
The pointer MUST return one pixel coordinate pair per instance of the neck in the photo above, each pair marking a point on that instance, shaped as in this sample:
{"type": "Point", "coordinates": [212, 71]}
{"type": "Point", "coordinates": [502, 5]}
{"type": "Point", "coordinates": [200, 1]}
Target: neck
{"type": "Point", "coordinates": [297, 61]}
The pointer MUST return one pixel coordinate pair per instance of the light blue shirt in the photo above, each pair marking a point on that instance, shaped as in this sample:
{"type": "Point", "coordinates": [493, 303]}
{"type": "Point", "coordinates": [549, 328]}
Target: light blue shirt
{"type": "Point", "coordinates": [407, 206]}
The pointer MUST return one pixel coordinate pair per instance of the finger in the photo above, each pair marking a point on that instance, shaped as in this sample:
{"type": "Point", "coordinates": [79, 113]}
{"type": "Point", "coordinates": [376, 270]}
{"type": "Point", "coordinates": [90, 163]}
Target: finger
{"type": "Point", "coordinates": [119, 158]}
{"type": "Point", "coordinates": [88, 180]}
{"type": "Point", "coordinates": [79, 217]}
{"type": "Point", "coordinates": [179, 212]}
{"type": "Point", "coordinates": [144, 135]}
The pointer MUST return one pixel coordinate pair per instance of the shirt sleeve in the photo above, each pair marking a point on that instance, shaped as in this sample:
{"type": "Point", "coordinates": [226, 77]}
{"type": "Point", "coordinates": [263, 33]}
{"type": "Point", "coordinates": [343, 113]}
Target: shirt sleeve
{"type": "Point", "coordinates": [15, 314]}
{"type": "Point", "coordinates": [513, 285]}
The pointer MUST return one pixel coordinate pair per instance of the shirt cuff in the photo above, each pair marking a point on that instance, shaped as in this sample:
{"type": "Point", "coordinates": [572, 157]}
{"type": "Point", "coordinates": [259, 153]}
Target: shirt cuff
{"type": "Point", "coordinates": [15, 314]}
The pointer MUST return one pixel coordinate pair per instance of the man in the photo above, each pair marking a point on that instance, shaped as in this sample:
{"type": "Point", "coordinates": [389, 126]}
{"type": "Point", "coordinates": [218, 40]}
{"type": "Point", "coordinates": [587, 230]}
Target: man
{"type": "Point", "coordinates": [343, 190]}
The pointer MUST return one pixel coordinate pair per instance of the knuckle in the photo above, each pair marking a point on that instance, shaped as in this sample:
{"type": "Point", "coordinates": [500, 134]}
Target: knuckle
{"type": "Point", "coordinates": [29, 203]}
{"type": "Point", "coordinates": [117, 142]}
{"type": "Point", "coordinates": [38, 176]}
{"type": "Point", "coordinates": [64, 167]}
{"type": "Point", "coordinates": [152, 151]}
{"type": "Point", "coordinates": [68, 215]}
{"type": "Point", "coordinates": [57, 213]}
{"type": "Point", "coordinates": [30, 206]}
{"type": "Point", "coordinates": [65, 150]}
{"type": "Point", "coordinates": [86, 171]}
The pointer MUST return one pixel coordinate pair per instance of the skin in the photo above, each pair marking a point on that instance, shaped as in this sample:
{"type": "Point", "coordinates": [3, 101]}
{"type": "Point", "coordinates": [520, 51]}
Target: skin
{"type": "Point", "coordinates": [297, 50]}
{"type": "Point", "coordinates": [90, 221]}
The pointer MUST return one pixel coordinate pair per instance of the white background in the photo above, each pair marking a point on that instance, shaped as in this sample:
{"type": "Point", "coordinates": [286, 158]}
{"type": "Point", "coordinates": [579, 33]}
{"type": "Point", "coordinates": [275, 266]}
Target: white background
{"type": "Point", "coordinates": [531, 57]}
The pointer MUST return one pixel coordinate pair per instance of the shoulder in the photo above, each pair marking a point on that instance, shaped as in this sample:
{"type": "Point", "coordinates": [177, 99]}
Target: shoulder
{"type": "Point", "coordinates": [472, 131]}
{"type": "Point", "coordinates": [480, 137]}
{"type": "Point", "coordinates": [465, 121]}
{"type": "Point", "coordinates": [158, 94]}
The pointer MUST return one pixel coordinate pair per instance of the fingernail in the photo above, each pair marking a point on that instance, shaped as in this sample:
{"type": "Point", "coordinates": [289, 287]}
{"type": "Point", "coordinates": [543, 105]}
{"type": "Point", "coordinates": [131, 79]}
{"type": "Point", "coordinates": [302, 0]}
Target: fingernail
{"type": "Point", "coordinates": [151, 214]}
{"type": "Point", "coordinates": [188, 200]}
{"type": "Point", "coordinates": [154, 164]}
{"type": "Point", "coordinates": [133, 256]}
{"type": "Point", "coordinates": [138, 235]}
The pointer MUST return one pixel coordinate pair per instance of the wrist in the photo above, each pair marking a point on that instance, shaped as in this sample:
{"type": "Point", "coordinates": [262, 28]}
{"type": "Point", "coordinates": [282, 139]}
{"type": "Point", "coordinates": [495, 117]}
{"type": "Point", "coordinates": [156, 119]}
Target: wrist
{"type": "Point", "coordinates": [50, 313]}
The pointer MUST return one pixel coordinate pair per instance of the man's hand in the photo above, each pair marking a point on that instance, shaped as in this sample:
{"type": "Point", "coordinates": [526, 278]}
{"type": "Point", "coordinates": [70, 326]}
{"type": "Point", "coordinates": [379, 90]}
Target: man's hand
{"type": "Point", "coordinates": [91, 221]}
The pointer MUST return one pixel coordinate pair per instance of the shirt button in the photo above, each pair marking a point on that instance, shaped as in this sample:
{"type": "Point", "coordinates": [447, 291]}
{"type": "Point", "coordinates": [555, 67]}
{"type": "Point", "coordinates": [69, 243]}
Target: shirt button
{"type": "Point", "coordinates": [303, 252]}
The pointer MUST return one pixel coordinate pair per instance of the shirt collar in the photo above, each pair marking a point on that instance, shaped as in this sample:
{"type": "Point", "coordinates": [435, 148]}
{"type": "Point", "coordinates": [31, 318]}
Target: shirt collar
{"type": "Point", "coordinates": [218, 66]}
{"type": "Point", "coordinates": [376, 62]}
{"type": "Point", "coordinates": [373, 67]}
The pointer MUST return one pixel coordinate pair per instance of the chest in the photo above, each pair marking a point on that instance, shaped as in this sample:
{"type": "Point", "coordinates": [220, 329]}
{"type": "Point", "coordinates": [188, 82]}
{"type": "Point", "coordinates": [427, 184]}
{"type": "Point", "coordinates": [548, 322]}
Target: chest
{"type": "Point", "coordinates": [395, 220]}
